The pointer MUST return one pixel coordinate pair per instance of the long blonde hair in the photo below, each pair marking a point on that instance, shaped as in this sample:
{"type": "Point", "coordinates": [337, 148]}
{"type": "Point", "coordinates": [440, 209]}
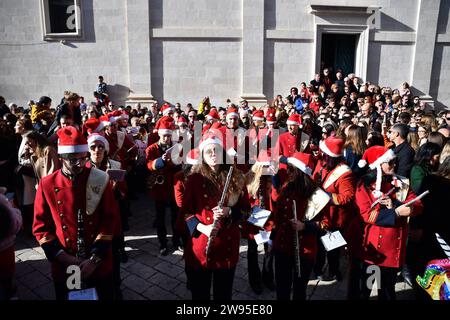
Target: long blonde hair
{"type": "Point", "coordinates": [252, 179]}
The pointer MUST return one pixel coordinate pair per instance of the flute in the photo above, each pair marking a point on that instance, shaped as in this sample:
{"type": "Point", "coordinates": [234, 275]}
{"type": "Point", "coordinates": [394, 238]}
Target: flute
{"type": "Point", "coordinates": [215, 226]}
{"type": "Point", "coordinates": [296, 242]}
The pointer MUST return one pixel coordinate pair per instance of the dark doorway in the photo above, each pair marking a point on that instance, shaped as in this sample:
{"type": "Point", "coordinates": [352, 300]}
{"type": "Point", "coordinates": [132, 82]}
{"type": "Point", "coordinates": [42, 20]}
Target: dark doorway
{"type": "Point", "coordinates": [338, 51]}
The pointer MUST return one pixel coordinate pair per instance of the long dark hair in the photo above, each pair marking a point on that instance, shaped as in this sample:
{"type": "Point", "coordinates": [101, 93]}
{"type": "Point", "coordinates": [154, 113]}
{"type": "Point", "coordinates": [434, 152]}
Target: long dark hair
{"type": "Point", "coordinates": [425, 153]}
{"type": "Point", "coordinates": [298, 182]}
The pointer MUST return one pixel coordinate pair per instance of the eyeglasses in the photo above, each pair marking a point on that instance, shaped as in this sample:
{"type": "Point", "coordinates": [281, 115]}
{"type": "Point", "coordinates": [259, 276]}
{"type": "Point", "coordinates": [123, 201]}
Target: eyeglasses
{"type": "Point", "coordinates": [98, 146]}
{"type": "Point", "coordinates": [74, 161]}
{"type": "Point", "coordinates": [448, 119]}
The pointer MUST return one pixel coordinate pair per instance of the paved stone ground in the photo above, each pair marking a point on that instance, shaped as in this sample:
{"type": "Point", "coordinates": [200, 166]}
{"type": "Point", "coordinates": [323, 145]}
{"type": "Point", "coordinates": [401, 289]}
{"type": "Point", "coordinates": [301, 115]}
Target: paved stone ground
{"type": "Point", "coordinates": [147, 275]}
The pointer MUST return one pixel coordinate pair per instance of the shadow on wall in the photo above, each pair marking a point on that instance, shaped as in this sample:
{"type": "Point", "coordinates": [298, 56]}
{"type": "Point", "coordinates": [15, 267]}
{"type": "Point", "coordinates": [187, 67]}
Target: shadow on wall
{"type": "Point", "coordinates": [118, 93]}
{"type": "Point", "coordinates": [390, 24]}
{"type": "Point", "coordinates": [436, 76]}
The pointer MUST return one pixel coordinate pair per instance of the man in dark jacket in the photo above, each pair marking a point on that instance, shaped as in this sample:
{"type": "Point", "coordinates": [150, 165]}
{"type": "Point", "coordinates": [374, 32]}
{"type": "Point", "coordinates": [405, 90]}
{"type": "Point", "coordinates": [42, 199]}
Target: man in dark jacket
{"type": "Point", "coordinates": [405, 153]}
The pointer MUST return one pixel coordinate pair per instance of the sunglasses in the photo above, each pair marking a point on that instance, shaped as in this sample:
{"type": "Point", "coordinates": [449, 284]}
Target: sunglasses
{"type": "Point", "coordinates": [99, 147]}
{"type": "Point", "coordinates": [448, 119]}
{"type": "Point", "coordinates": [74, 161]}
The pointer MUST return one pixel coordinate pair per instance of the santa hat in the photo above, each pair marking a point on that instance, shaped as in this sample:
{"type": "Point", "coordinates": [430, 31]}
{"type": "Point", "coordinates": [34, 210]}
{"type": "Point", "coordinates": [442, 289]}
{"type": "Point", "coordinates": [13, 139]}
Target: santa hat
{"type": "Point", "coordinates": [332, 146]}
{"type": "Point", "coordinates": [97, 137]}
{"type": "Point", "coordinates": [166, 126]}
{"type": "Point", "coordinates": [160, 120]}
{"type": "Point", "coordinates": [208, 139]}
{"type": "Point", "coordinates": [193, 157]}
{"type": "Point", "coordinates": [258, 115]}
{"type": "Point", "coordinates": [294, 119]}
{"type": "Point", "coordinates": [375, 156]}
{"type": "Point", "coordinates": [232, 112]}
{"type": "Point", "coordinates": [302, 161]}
{"type": "Point", "coordinates": [271, 116]}
{"type": "Point", "coordinates": [93, 125]}
{"type": "Point", "coordinates": [213, 115]}
{"type": "Point", "coordinates": [182, 121]}
{"type": "Point", "coordinates": [166, 109]}
{"type": "Point", "coordinates": [70, 140]}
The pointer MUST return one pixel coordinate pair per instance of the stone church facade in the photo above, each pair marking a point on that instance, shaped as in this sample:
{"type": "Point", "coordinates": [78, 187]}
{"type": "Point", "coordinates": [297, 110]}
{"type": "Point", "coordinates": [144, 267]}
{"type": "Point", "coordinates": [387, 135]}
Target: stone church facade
{"type": "Point", "coordinates": [183, 50]}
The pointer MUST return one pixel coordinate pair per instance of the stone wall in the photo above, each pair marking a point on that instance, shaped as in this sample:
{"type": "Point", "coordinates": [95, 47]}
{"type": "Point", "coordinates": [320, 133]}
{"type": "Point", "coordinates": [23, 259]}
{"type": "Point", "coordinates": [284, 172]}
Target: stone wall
{"type": "Point", "coordinates": [182, 50]}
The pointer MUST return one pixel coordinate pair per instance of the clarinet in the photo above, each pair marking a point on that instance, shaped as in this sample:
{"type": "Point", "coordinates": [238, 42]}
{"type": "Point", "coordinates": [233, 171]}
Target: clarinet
{"type": "Point", "coordinates": [216, 224]}
{"type": "Point", "coordinates": [81, 248]}
{"type": "Point", "coordinates": [296, 242]}
{"type": "Point", "coordinates": [261, 193]}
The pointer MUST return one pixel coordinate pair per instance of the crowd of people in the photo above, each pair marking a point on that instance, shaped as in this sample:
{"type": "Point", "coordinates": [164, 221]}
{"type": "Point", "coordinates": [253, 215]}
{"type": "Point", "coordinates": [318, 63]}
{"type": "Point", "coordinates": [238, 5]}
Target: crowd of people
{"type": "Point", "coordinates": [369, 151]}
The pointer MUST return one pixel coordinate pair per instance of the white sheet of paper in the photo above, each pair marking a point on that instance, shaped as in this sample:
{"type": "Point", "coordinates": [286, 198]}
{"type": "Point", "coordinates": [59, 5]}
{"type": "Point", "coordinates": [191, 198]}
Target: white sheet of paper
{"type": "Point", "coordinates": [262, 237]}
{"type": "Point", "coordinates": [259, 216]}
{"type": "Point", "coordinates": [85, 294]}
{"type": "Point", "coordinates": [333, 240]}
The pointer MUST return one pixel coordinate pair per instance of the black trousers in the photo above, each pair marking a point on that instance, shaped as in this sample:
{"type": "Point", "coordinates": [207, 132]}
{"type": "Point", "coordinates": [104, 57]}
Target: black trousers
{"type": "Point", "coordinates": [104, 287]}
{"type": "Point", "coordinates": [354, 279]}
{"type": "Point", "coordinates": [386, 287]}
{"type": "Point", "coordinates": [221, 279]}
{"type": "Point", "coordinates": [286, 276]}
{"type": "Point", "coordinates": [160, 208]}
{"type": "Point", "coordinates": [254, 272]}
{"type": "Point", "coordinates": [333, 258]}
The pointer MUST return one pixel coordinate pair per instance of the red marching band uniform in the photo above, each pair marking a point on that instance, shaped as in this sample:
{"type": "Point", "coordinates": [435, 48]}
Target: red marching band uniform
{"type": "Point", "coordinates": [385, 232]}
{"type": "Point", "coordinates": [59, 199]}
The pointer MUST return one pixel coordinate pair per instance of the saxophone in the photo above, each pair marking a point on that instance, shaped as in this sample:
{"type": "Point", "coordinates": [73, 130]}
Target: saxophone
{"type": "Point", "coordinates": [216, 224]}
{"type": "Point", "coordinates": [296, 242]}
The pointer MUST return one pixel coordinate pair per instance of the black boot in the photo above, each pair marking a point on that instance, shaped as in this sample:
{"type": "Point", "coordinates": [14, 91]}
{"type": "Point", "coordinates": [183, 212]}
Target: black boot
{"type": "Point", "coordinates": [407, 275]}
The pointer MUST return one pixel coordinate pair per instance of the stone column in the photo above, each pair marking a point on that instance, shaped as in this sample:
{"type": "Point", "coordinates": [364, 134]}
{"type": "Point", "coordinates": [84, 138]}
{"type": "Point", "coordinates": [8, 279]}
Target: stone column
{"type": "Point", "coordinates": [425, 43]}
{"type": "Point", "coordinates": [253, 51]}
{"type": "Point", "coordinates": [138, 38]}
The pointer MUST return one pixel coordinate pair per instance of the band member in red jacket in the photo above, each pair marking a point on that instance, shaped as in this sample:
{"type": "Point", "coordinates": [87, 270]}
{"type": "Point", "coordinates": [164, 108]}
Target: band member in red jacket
{"type": "Point", "coordinates": [286, 228]}
{"type": "Point", "coordinates": [204, 188]}
{"type": "Point", "coordinates": [259, 188]}
{"type": "Point", "coordinates": [162, 171]}
{"type": "Point", "coordinates": [335, 178]}
{"type": "Point", "coordinates": [75, 217]}
{"type": "Point", "coordinates": [385, 216]}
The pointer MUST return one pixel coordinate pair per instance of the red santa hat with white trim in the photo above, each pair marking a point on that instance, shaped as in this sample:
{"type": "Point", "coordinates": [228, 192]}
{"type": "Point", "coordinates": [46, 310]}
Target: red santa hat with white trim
{"type": "Point", "coordinates": [271, 116]}
{"type": "Point", "coordinates": [182, 121]}
{"type": "Point", "coordinates": [92, 125]}
{"type": "Point", "coordinates": [210, 138]}
{"type": "Point", "coordinates": [332, 146]}
{"type": "Point", "coordinates": [213, 115]}
{"type": "Point", "coordinates": [232, 112]}
{"type": "Point", "coordinates": [374, 157]}
{"type": "Point", "coordinates": [294, 119]}
{"type": "Point", "coordinates": [258, 115]}
{"type": "Point", "coordinates": [302, 161]}
{"type": "Point", "coordinates": [166, 109]}
{"type": "Point", "coordinates": [97, 137]}
{"type": "Point", "coordinates": [193, 157]}
{"type": "Point", "coordinates": [71, 140]}
{"type": "Point", "coordinates": [166, 126]}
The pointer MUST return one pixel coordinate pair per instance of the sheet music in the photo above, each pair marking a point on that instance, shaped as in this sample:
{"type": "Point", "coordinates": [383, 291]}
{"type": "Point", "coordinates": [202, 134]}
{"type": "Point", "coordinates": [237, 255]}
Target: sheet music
{"type": "Point", "coordinates": [262, 237]}
{"type": "Point", "coordinates": [333, 240]}
{"type": "Point", "coordinates": [258, 216]}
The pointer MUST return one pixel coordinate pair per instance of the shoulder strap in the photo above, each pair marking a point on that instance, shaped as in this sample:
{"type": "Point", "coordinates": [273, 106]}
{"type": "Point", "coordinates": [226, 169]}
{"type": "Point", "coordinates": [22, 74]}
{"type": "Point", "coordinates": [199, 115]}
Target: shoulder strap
{"type": "Point", "coordinates": [336, 174]}
{"type": "Point", "coordinates": [120, 139]}
{"type": "Point", "coordinates": [96, 184]}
